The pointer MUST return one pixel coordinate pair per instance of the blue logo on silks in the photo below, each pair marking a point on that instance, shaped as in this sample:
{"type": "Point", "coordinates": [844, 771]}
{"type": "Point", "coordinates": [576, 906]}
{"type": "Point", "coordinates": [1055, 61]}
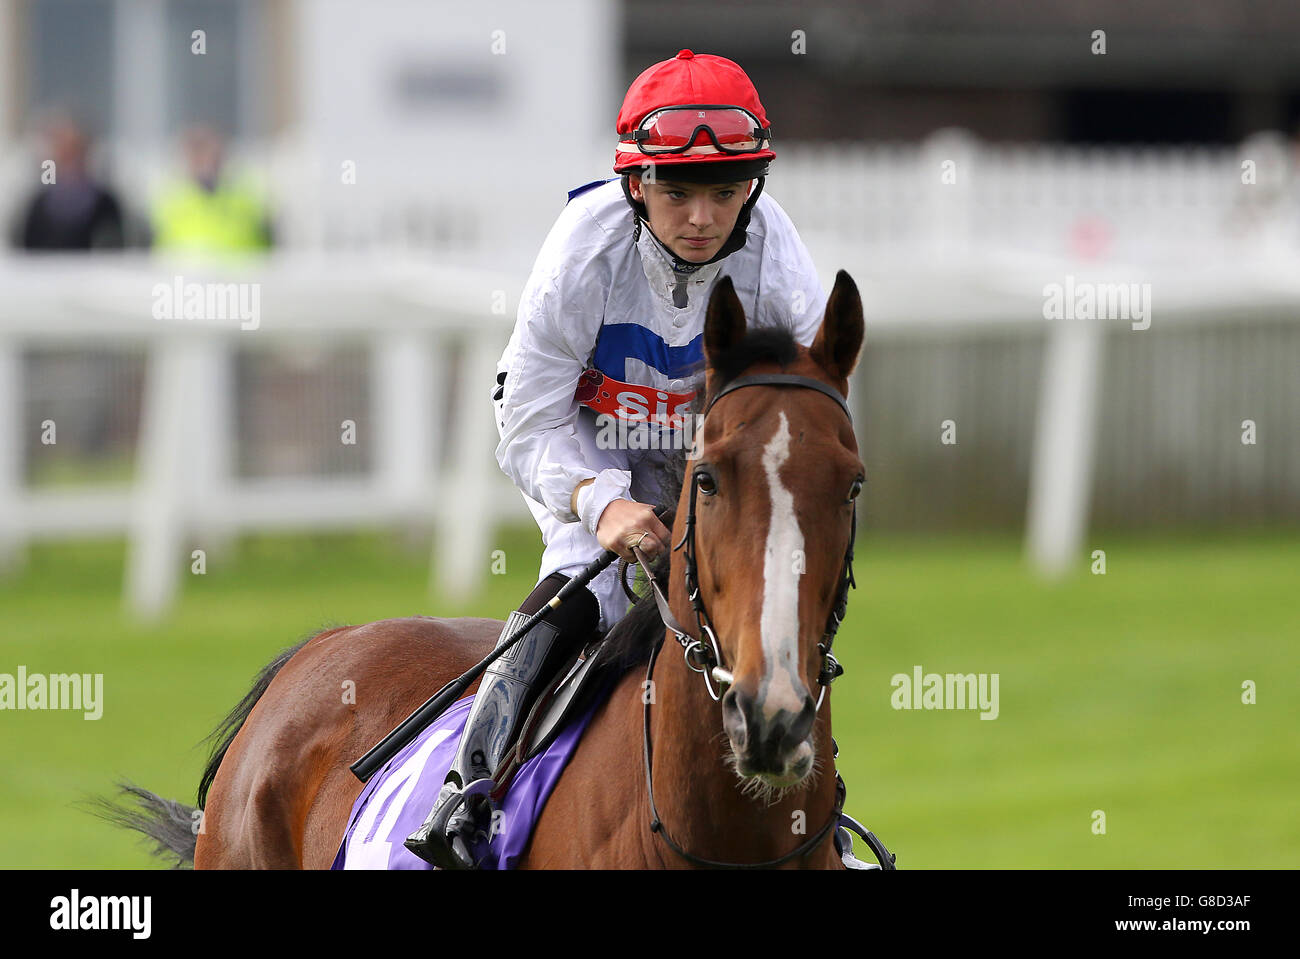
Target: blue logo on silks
{"type": "Point", "coordinates": [617, 342]}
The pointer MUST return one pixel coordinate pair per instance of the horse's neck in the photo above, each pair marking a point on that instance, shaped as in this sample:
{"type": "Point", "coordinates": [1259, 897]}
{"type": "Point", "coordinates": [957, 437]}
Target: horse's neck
{"type": "Point", "coordinates": [697, 792]}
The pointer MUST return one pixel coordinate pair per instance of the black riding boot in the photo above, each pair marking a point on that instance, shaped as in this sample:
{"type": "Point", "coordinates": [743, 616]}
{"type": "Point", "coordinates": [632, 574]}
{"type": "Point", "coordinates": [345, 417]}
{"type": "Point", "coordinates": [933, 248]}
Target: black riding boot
{"type": "Point", "coordinates": [508, 690]}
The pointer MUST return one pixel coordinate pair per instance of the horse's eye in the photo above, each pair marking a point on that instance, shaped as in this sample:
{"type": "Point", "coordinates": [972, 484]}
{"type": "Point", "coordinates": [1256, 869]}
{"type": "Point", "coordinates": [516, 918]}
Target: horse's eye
{"type": "Point", "coordinates": [705, 483]}
{"type": "Point", "coordinates": [857, 488]}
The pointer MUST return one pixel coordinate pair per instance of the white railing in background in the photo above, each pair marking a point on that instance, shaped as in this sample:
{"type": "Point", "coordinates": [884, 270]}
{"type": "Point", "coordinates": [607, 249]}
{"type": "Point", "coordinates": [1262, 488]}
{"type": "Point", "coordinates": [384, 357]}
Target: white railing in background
{"type": "Point", "coordinates": [954, 196]}
{"type": "Point", "coordinates": [411, 318]}
{"type": "Point", "coordinates": [953, 232]}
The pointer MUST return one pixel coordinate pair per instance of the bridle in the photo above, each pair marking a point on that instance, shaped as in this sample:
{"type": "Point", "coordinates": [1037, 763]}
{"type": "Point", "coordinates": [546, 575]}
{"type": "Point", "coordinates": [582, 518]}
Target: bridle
{"type": "Point", "coordinates": [706, 658]}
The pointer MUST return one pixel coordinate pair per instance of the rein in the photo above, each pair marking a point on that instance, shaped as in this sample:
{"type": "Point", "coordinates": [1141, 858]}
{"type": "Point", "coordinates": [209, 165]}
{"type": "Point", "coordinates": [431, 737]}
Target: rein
{"type": "Point", "coordinates": [707, 660]}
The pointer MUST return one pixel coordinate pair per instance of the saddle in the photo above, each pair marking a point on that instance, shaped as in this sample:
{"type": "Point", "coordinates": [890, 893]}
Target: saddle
{"type": "Point", "coordinates": [579, 684]}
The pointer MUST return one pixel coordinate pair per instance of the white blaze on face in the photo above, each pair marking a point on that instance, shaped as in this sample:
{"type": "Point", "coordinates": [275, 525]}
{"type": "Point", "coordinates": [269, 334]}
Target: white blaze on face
{"type": "Point", "coordinates": [779, 623]}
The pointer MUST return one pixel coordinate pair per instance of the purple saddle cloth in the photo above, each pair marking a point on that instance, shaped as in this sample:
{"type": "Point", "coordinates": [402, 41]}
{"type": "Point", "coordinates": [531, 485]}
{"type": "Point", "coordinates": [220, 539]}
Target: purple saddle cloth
{"type": "Point", "coordinates": [398, 798]}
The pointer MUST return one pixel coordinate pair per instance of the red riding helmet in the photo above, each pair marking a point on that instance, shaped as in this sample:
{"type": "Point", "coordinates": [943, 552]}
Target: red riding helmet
{"type": "Point", "coordinates": [692, 113]}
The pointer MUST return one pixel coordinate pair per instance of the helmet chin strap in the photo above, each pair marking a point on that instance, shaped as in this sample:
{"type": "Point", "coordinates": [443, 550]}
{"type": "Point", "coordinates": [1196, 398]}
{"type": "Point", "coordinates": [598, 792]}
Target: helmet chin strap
{"type": "Point", "coordinates": [734, 242]}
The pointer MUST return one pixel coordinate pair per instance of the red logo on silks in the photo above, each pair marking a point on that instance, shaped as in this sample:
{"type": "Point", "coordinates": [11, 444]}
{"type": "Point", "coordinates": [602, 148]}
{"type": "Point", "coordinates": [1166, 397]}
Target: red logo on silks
{"type": "Point", "coordinates": [632, 402]}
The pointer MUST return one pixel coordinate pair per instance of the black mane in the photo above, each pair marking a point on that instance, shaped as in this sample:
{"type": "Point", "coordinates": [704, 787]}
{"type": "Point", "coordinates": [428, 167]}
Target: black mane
{"type": "Point", "coordinates": [765, 344]}
{"type": "Point", "coordinates": [631, 639]}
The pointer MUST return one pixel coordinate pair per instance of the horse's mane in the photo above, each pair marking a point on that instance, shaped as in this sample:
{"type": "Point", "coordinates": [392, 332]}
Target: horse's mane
{"type": "Point", "coordinates": [630, 641]}
{"type": "Point", "coordinates": [773, 344]}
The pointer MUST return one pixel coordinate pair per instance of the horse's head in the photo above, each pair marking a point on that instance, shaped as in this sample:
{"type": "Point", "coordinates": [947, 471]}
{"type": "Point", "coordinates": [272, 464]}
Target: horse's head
{"type": "Point", "coordinates": [776, 471]}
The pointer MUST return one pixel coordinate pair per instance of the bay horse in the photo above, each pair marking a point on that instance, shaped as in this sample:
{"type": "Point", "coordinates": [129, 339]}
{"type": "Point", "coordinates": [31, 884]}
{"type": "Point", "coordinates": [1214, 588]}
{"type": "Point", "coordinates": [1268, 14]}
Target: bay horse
{"type": "Point", "coordinates": [766, 510]}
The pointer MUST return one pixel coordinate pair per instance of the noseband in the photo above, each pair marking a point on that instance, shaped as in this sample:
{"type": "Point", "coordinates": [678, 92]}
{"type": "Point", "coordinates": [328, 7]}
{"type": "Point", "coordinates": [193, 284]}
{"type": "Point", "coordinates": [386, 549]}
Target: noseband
{"type": "Point", "coordinates": [706, 658]}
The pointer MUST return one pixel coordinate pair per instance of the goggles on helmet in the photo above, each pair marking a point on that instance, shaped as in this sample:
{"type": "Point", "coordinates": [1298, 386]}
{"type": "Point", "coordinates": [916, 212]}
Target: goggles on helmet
{"type": "Point", "coordinates": [672, 130]}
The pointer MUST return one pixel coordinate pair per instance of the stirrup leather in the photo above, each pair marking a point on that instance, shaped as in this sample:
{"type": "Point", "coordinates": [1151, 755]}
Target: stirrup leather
{"type": "Point", "coordinates": [500, 706]}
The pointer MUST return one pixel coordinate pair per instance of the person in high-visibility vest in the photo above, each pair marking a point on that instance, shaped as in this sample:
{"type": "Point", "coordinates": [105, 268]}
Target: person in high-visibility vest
{"type": "Point", "coordinates": [209, 211]}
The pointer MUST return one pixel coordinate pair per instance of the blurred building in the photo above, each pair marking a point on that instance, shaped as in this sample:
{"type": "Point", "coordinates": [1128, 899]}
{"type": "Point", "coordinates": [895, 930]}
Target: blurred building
{"type": "Point", "coordinates": [1212, 72]}
{"type": "Point", "coordinates": [441, 124]}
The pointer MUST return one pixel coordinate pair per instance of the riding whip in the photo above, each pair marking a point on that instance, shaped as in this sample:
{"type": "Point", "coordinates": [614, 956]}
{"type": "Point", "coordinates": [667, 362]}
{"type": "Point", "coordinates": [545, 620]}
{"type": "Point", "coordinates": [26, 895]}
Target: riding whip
{"type": "Point", "coordinates": [437, 704]}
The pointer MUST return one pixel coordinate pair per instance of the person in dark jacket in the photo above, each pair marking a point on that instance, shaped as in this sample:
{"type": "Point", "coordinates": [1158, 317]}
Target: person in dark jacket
{"type": "Point", "coordinates": [70, 210]}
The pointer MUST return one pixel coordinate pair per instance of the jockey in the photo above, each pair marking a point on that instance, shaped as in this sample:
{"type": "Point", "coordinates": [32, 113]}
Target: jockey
{"type": "Point", "coordinates": [611, 325]}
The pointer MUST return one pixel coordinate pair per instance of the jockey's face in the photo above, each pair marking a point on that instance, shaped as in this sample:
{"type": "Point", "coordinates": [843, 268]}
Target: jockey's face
{"type": "Point", "coordinates": [691, 219]}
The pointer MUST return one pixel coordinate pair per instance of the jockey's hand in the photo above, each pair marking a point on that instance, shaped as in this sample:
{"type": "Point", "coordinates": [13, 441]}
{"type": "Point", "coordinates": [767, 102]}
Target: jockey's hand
{"type": "Point", "coordinates": [622, 524]}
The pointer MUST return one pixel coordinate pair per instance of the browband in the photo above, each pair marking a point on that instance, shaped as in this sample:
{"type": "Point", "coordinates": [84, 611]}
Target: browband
{"type": "Point", "coordinates": [781, 379]}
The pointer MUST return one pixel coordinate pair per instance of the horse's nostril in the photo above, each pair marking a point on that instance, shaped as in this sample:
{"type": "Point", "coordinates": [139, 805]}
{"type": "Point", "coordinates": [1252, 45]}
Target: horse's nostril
{"type": "Point", "coordinates": [802, 724]}
{"type": "Point", "coordinates": [733, 715]}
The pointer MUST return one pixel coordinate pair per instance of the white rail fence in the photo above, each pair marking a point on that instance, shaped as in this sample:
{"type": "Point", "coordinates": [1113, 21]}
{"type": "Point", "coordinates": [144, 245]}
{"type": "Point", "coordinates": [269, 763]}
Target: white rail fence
{"type": "Point", "coordinates": [431, 438]}
{"type": "Point", "coordinates": [432, 463]}
{"type": "Point", "coordinates": [953, 197]}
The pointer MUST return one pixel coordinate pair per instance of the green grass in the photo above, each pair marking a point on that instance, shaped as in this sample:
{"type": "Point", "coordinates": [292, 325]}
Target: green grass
{"type": "Point", "coordinates": [1119, 692]}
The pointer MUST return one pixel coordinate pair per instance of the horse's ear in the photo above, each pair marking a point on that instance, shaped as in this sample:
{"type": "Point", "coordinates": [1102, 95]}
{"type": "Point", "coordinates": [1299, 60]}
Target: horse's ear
{"type": "Point", "coordinates": [724, 322]}
{"type": "Point", "coordinates": [839, 341]}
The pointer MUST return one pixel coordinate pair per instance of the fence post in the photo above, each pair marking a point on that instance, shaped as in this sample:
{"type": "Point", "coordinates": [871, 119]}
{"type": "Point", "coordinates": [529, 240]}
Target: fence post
{"type": "Point", "coordinates": [1060, 478]}
{"type": "Point", "coordinates": [212, 441]}
{"type": "Point", "coordinates": [162, 489]}
{"type": "Point", "coordinates": [948, 161]}
{"type": "Point", "coordinates": [13, 429]}
{"type": "Point", "coordinates": [467, 501]}
{"type": "Point", "coordinates": [406, 380]}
